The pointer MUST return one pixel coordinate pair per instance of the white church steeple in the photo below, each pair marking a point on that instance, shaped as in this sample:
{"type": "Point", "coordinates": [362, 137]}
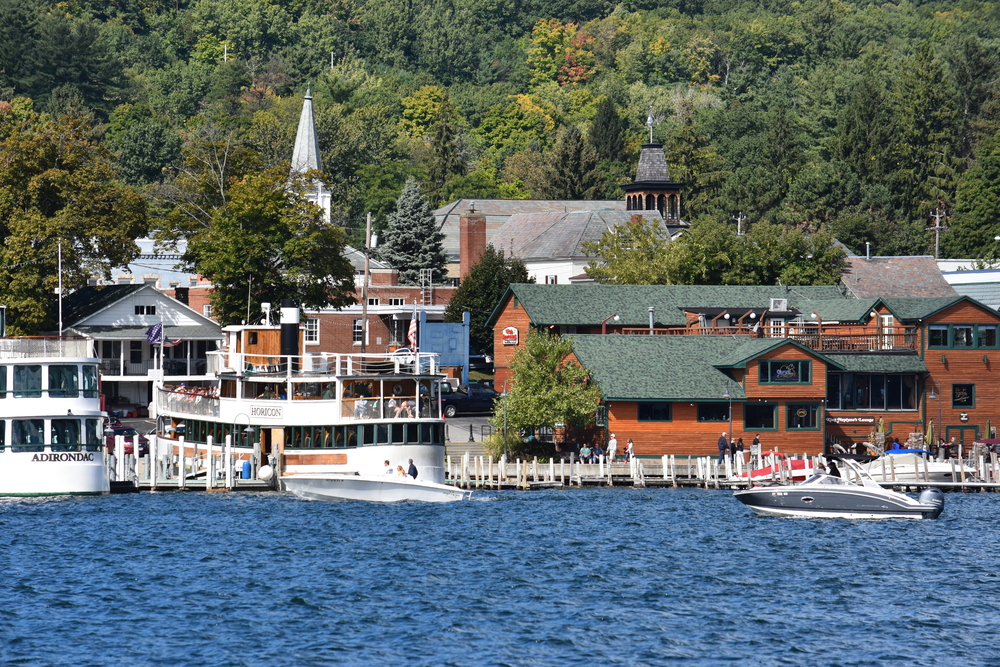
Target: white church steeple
{"type": "Point", "coordinates": [305, 155]}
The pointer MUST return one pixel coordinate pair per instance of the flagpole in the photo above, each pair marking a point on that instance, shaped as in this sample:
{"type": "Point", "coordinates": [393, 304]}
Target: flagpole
{"type": "Point", "coordinates": [162, 336]}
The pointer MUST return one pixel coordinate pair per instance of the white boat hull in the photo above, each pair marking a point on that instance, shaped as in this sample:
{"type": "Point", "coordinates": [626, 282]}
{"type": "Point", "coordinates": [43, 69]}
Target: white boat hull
{"type": "Point", "coordinates": [384, 489]}
{"type": "Point", "coordinates": [53, 474]}
{"type": "Point", "coordinates": [911, 469]}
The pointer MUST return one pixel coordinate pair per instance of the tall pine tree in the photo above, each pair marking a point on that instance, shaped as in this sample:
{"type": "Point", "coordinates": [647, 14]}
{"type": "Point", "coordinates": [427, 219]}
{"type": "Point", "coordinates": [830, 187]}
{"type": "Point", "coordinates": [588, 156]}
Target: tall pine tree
{"type": "Point", "coordinates": [572, 168]}
{"type": "Point", "coordinates": [607, 132]}
{"type": "Point", "coordinates": [412, 240]}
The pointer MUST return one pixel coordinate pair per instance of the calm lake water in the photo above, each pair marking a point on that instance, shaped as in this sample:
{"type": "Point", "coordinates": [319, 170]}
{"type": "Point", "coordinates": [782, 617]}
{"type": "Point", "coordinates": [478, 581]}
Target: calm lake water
{"type": "Point", "coordinates": [576, 577]}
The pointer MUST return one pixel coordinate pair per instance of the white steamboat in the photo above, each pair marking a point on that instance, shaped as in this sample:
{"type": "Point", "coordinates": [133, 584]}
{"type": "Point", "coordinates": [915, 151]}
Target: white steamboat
{"type": "Point", "coordinates": [303, 418]}
{"type": "Point", "coordinates": [51, 422]}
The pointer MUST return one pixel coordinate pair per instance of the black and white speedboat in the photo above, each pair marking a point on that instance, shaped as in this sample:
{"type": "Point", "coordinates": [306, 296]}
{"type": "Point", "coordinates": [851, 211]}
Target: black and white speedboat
{"type": "Point", "coordinates": [854, 496]}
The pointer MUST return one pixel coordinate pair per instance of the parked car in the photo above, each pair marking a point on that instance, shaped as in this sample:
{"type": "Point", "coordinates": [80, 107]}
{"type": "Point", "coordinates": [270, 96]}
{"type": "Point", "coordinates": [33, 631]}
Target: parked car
{"type": "Point", "coordinates": [129, 433]}
{"type": "Point", "coordinates": [474, 398]}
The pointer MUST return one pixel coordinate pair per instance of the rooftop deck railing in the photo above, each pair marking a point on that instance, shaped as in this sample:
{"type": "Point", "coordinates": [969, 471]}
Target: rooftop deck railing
{"type": "Point", "coordinates": [311, 365]}
{"type": "Point", "coordinates": [831, 338]}
{"type": "Point", "coordinates": [45, 346]}
{"type": "Point", "coordinates": [195, 404]}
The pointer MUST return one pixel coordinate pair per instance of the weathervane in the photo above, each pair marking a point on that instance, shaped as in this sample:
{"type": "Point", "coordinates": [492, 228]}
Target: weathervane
{"type": "Point", "coordinates": [649, 123]}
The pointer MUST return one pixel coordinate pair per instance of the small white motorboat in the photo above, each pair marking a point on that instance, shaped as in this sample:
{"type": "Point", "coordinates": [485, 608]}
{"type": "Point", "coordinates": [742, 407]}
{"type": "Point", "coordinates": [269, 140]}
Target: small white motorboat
{"type": "Point", "coordinates": [916, 465]}
{"type": "Point", "coordinates": [829, 496]}
{"type": "Point", "coordinates": [370, 488]}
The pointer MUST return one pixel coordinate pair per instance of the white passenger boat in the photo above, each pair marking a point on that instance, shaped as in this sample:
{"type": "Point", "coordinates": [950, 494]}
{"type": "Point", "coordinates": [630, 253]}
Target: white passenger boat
{"type": "Point", "coordinates": [303, 417]}
{"type": "Point", "coordinates": [51, 423]}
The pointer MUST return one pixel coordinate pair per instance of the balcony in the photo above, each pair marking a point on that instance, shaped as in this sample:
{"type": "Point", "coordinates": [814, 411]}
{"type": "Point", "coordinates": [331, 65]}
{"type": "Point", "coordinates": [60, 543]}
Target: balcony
{"type": "Point", "coordinates": [171, 367]}
{"type": "Point", "coordinates": [827, 338]}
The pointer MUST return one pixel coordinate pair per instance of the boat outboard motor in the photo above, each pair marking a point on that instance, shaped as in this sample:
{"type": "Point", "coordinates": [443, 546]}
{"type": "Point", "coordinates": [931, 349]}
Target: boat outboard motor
{"type": "Point", "coordinates": [932, 497]}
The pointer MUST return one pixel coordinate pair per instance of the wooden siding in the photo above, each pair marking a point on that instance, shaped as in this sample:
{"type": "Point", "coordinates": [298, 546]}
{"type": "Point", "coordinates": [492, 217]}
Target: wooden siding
{"type": "Point", "coordinates": [502, 354]}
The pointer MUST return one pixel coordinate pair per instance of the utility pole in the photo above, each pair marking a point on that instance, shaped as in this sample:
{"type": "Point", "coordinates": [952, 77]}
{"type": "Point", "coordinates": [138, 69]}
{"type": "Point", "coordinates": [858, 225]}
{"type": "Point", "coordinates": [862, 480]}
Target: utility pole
{"type": "Point", "coordinates": [937, 229]}
{"type": "Point", "coordinates": [739, 218]}
{"type": "Point", "coordinates": [364, 285]}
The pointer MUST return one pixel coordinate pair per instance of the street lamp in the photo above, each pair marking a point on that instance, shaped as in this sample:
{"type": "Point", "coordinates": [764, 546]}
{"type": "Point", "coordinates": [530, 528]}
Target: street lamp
{"type": "Point", "coordinates": [936, 394]}
{"type": "Point", "coordinates": [504, 394]}
{"type": "Point", "coordinates": [248, 431]}
{"type": "Point", "coordinates": [604, 322]}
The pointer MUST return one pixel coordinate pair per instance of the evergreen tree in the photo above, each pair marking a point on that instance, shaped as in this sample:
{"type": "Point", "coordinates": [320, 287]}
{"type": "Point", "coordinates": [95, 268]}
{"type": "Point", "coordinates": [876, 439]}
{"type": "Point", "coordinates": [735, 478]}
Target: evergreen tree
{"type": "Point", "coordinates": [446, 158]}
{"type": "Point", "coordinates": [572, 168]}
{"type": "Point", "coordinates": [977, 207]}
{"type": "Point", "coordinates": [412, 240]}
{"type": "Point", "coordinates": [480, 292]}
{"type": "Point", "coordinates": [607, 132]}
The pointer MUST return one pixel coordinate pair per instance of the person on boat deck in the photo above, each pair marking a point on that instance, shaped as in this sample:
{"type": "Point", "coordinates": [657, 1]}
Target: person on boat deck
{"type": "Point", "coordinates": [833, 469]}
{"type": "Point", "coordinates": [388, 468]}
{"type": "Point", "coordinates": [328, 393]}
{"type": "Point", "coordinates": [400, 472]}
{"type": "Point", "coordinates": [267, 392]}
{"type": "Point", "coordinates": [723, 447]}
{"type": "Point", "coordinates": [412, 471]}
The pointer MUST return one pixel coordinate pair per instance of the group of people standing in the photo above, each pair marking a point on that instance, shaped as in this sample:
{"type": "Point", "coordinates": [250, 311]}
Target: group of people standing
{"type": "Point", "coordinates": [593, 454]}
{"type": "Point", "coordinates": [733, 447]}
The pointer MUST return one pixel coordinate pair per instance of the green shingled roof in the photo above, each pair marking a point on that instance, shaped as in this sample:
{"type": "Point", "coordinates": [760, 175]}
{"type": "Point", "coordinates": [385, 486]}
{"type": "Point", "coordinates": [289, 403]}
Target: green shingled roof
{"type": "Point", "coordinates": [588, 304]}
{"type": "Point", "coordinates": [840, 310]}
{"type": "Point", "coordinates": [919, 309]}
{"type": "Point", "coordinates": [659, 367]}
{"type": "Point", "coordinates": [880, 363]}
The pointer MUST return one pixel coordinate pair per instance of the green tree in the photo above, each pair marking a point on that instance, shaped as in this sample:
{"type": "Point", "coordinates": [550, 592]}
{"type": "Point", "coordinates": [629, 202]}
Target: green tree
{"type": "Point", "coordinates": [572, 168]}
{"type": "Point", "coordinates": [607, 132]}
{"type": "Point", "coordinates": [547, 386]}
{"type": "Point", "coordinates": [143, 143]}
{"type": "Point", "coordinates": [977, 208]}
{"type": "Point", "coordinates": [57, 185]}
{"type": "Point", "coordinates": [411, 239]}
{"type": "Point", "coordinates": [270, 240]}
{"type": "Point", "coordinates": [480, 292]}
{"type": "Point", "coordinates": [446, 158]}
{"type": "Point", "coordinates": [631, 254]}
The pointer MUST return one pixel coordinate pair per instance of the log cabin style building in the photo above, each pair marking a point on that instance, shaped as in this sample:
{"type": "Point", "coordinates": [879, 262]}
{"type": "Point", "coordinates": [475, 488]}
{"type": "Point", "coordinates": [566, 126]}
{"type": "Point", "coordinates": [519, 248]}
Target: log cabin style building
{"type": "Point", "coordinates": [804, 367]}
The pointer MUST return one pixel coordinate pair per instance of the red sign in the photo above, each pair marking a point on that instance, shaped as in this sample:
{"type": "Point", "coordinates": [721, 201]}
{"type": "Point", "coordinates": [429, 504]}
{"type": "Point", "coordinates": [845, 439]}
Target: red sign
{"type": "Point", "coordinates": [509, 336]}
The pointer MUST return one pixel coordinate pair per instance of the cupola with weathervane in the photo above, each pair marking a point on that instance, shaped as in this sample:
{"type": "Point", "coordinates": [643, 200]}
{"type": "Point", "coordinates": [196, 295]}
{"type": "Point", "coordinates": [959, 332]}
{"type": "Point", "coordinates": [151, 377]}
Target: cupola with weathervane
{"type": "Point", "coordinates": [652, 189]}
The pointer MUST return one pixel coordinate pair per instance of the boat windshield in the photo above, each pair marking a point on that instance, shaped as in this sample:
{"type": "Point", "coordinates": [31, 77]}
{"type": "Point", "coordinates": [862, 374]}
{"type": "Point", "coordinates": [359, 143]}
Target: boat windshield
{"type": "Point", "coordinates": [824, 479]}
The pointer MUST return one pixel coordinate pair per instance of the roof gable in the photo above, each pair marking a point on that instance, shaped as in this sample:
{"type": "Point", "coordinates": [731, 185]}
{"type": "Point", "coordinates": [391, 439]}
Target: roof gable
{"type": "Point", "coordinates": [114, 306]}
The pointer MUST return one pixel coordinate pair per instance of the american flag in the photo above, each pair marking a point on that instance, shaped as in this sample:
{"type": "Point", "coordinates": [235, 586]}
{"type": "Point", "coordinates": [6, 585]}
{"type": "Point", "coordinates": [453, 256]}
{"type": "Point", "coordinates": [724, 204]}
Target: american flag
{"type": "Point", "coordinates": [172, 342]}
{"type": "Point", "coordinates": [155, 334]}
{"type": "Point", "coordinates": [411, 335]}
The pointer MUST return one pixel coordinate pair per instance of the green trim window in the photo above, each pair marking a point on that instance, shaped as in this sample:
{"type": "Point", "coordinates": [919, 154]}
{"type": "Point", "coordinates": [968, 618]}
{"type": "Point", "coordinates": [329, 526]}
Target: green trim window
{"type": "Point", "coordinates": [760, 416]}
{"type": "Point", "coordinates": [65, 434]}
{"type": "Point", "coordinates": [90, 384]}
{"type": "Point", "coordinates": [713, 412]}
{"type": "Point", "coordinates": [962, 336]}
{"type": "Point", "coordinates": [802, 416]}
{"type": "Point", "coordinates": [871, 391]}
{"type": "Point", "coordinates": [655, 412]}
{"type": "Point", "coordinates": [27, 381]}
{"type": "Point", "coordinates": [785, 371]}
{"type": "Point", "coordinates": [963, 395]}
{"type": "Point", "coordinates": [3, 382]}
{"type": "Point", "coordinates": [64, 381]}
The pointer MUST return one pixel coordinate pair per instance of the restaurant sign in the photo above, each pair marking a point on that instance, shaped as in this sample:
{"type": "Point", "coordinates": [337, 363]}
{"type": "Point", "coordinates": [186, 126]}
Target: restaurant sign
{"type": "Point", "coordinates": [509, 336]}
{"type": "Point", "coordinates": [850, 420]}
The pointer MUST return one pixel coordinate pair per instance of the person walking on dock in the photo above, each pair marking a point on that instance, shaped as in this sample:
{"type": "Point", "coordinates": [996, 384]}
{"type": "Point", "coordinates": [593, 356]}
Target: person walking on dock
{"type": "Point", "coordinates": [612, 448]}
{"type": "Point", "coordinates": [629, 450]}
{"type": "Point", "coordinates": [723, 447]}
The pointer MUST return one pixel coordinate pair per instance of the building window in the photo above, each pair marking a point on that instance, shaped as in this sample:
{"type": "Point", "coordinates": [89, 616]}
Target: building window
{"type": "Point", "coordinates": [568, 331]}
{"type": "Point", "coordinates": [986, 335]}
{"type": "Point", "coordinates": [252, 338]}
{"type": "Point", "coordinates": [312, 331]}
{"type": "Point", "coordinates": [655, 412]}
{"type": "Point", "coordinates": [871, 391]}
{"type": "Point", "coordinates": [963, 395]}
{"type": "Point", "coordinates": [551, 280]}
{"type": "Point", "coordinates": [373, 301]}
{"type": "Point", "coordinates": [145, 310]}
{"type": "Point", "coordinates": [802, 416]}
{"type": "Point", "coordinates": [937, 335]}
{"type": "Point", "coordinates": [397, 302]}
{"type": "Point", "coordinates": [961, 335]}
{"type": "Point", "coordinates": [358, 332]}
{"type": "Point", "coordinates": [713, 412]}
{"type": "Point", "coordinates": [207, 310]}
{"type": "Point", "coordinates": [135, 352]}
{"type": "Point", "coordinates": [759, 416]}
{"type": "Point", "coordinates": [783, 371]}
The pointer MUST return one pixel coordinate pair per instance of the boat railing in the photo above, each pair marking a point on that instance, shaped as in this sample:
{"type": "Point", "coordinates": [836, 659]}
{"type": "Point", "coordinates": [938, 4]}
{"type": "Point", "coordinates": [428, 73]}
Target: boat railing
{"type": "Point", "coordinates": [324, 363]}
{"type": "Point", "coordinates": [395, 407]}
{"type": "Point", "coordinates": [192, 401]}
{"type": "Point", "coordinates": [46, 346]}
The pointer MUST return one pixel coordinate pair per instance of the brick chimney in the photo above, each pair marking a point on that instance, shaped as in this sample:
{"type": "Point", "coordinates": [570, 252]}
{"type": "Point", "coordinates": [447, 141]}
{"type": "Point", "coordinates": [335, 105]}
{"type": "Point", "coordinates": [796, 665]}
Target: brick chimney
{"type": "Point", "coordinates": [471, 240]}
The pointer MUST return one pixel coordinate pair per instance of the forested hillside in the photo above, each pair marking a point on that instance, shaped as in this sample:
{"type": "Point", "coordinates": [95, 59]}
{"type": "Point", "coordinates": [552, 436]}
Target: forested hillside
{"type": "Point", "coordinates": [860, 117]}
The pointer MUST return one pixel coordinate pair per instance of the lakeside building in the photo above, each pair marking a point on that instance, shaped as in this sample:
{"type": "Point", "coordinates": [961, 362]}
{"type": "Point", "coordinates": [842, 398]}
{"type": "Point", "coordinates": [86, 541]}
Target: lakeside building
{"type": "Point", "coordinates": [804, 367]}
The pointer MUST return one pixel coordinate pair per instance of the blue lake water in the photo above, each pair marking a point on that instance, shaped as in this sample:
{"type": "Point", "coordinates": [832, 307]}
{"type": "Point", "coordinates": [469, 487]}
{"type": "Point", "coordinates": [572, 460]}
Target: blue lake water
{"type": "Point", "coordinates": [575, 577]}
